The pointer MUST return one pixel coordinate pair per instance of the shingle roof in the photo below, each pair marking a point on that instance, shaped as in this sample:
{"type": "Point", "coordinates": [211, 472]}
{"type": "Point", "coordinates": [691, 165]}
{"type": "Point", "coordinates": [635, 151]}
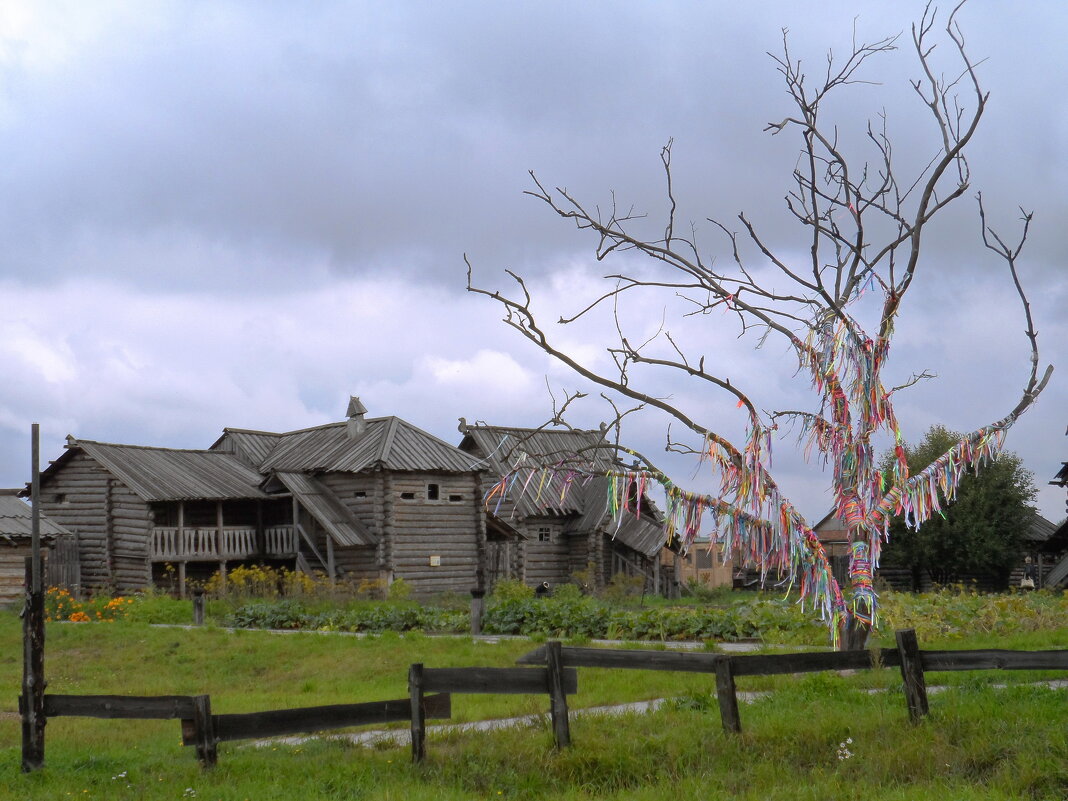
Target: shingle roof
{"type": "Point", "coordinates": [16, 519]}
{"type": "Point", "coordinates": [387, 441]}
{"type": "Point", "coordinates": [327, 508]}
{"type": "Point", "coordinates": [249, 446]}
{"type": "Point", "coordinates": [169, 474]}
{"type": "Point", "coordinates": [503, 447]}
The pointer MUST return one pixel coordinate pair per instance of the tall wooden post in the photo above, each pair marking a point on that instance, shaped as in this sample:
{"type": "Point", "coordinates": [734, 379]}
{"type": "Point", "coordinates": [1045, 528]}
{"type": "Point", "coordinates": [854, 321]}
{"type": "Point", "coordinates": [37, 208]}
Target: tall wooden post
{"type": "Point", "coordinates": [727, 696]}
{"type": "Point", "coordinates": [204, 726]}
{"type": "Point", "coordinates": [415, 692]}
{"type": "Point", "coordinates": [554, 662]}
{"type": "Point", "coordinates": [33, 630]}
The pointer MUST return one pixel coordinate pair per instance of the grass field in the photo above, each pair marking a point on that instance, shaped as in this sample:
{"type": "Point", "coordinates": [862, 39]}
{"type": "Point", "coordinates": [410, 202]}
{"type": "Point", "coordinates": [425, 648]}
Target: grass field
{"type": "Point", "coordinates": [980, 742]}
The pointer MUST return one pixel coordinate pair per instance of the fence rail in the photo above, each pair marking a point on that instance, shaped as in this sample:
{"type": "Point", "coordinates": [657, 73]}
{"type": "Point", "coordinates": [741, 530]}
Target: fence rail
{"type": "Point", "coordinates": [228, 542]}
{"type": "Point", "coordinates": [430, 689]}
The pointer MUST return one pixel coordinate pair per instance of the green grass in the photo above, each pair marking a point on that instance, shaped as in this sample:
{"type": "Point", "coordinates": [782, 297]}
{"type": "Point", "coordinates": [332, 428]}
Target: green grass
{"type": "Point", "coordinates": [979, 743]}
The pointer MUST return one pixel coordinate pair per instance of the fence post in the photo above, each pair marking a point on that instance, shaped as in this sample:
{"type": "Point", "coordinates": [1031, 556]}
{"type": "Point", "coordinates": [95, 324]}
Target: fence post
{"type": "Point", "coordinates": [204, 729]}
{"type": "Point", "coordinates": [727, 696]}
{"type": "Point", "coordinates": [478, 605]}
{"type": "Point", "coordinates": [554, 665]}
{"type": "Point", "coordinates": [912, 674]}
{"type": "Point", "coordinates": [415, 690]}
{"type": "Point", "coordinates": [198, 606]}
{"type": "Point", "coordinates": [33, 680]}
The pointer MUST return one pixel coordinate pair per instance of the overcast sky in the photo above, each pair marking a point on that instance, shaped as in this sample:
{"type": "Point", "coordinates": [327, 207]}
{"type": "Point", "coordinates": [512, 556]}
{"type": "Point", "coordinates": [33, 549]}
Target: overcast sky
{"type": "Point", "coordinates": [238, 214]}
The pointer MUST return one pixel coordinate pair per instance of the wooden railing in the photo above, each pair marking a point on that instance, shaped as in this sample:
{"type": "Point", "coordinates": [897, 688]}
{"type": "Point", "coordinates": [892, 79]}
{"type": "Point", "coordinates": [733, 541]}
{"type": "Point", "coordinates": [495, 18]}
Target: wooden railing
{"type": "Point", "coordinates": [229, 542]}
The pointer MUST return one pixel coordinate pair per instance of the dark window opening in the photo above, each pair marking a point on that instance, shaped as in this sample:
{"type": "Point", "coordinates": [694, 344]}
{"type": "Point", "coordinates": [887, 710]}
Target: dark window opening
{"type": "Point", "coordinates": [408, 496]}
{"type": "Point", "coordinates": [456, 498]}
{"type": "Point", "coordinates": [359, 494]}
{"type": "Point", "coordinates": [433, 492]}
{"type": "Point", "coordinates": [545, 534]}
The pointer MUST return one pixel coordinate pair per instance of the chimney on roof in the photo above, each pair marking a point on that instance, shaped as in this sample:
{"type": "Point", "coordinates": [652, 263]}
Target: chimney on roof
{"type": "Point", "coordinates": [356, 425]}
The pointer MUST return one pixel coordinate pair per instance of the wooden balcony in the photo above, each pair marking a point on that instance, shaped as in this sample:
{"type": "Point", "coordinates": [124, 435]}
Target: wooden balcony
{"type": "Point", "coordinates": [221, 544]}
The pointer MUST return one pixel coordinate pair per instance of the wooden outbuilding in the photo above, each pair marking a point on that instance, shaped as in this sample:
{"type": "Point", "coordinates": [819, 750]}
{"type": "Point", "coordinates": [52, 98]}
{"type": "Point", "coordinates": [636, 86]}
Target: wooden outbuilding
{"type": "Point", "coordinates": [362, 499]}
{"type": "Point", "coordinates": [15, 545]}
{"type": "Point", "coordinates": [565, 524]}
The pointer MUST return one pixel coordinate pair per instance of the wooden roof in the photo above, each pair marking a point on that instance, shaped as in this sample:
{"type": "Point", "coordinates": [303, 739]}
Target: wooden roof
{"type": "Point", "coordinates": [16, 519]}
{"type": "Point", "coordinates": [502, 448]}
{"type": "Point", "coordinates": [327, 508]}
{"type": "Point", "coordinates": [387, 442]}
{"type": "Point", "coordinates": [585, 497]}
{"type": "Point", "coordinates": [169, 474]}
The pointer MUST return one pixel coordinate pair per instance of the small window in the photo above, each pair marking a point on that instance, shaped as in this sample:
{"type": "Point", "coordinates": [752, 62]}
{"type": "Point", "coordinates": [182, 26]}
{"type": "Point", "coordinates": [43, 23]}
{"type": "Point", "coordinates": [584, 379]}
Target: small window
{"type": "Point", "coordinates": [359, 494]}
{"type": "Point", "coordinates": [433, 492]}
{"type": "Point", "coordinates": [545, 534]}
{"type": "Point", "coordinates": [455, 498]}
{"type": "Point", "coordinates": [407, 496]}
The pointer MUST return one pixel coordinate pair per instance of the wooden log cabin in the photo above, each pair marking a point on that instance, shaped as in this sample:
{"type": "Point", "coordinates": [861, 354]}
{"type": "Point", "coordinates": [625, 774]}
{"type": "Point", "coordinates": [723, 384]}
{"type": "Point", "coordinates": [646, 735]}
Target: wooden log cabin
{"type": "Point", "coordinates": [15, 545]}
{"type": "Point", "coordinates": [565, 527]}
{"type": "Point", "coordinates": [374, 499]}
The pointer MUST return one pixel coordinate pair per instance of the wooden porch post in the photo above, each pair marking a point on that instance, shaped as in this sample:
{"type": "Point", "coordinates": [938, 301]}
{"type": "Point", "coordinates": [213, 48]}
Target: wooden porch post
{"type": "Point", "coordinates": [330, 556]}
{"type": "Point", "coordinates": [181, 548]}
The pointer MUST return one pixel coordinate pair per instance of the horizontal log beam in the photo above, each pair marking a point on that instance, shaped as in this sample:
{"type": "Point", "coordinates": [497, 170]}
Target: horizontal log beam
{"type": "Point", "coordinates": [304, 720]}
{"type": "Point", "coordinates": [495, 680]}
{"type": "Point", "coordinates": [994, 659]}
{"type": "Point", "coordinates": [162, 707]}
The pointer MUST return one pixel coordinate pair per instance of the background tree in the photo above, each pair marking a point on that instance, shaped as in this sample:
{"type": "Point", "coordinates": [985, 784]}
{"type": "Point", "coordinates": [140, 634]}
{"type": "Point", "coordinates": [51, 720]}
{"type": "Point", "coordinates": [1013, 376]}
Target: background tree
{"type": "Point", "coordinates": [834, 307]}
{"type": "Point", "coordinates": [980, 534]}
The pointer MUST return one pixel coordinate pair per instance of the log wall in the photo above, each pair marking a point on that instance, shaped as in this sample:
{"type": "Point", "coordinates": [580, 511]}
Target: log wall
{"type": "Point", "coordinates": [13, 571]}
{"type": "Point", "coordinates": [75, 497]}
{"type": "Point", "coordinates": [419, 529]}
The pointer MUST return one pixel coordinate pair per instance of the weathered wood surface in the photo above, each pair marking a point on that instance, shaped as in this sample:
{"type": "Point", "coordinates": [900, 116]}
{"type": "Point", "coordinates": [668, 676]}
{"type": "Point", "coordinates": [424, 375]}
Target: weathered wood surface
{"type": "Point", "coordinates": [204, 737]}
{"type": "Point", "coordinates": [994, 659]}
{"type": "Point", "coordinates": [495, 680]}
{"type": "Point", "coordinates": [743, 665]}
{"type": "Point", "coordinates": [727, 697]}
{"type": "Point", "coordinates": [912, 674]}
{"type": "Point", "coordinates": [280, 722]}
{"type": "Point", "coordinates": [557, 696]}
{"type": "Point", "coordinates": [128, 707]}
{"type": "Point", "coordinates": [417, 711]}
{"type": "Point", "coordinates": [34, 717]}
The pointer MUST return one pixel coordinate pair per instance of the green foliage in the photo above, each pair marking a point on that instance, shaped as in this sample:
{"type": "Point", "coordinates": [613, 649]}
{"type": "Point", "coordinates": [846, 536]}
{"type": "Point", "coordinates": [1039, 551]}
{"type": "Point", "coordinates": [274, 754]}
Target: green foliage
{"type": "Point", "coordinates": [511, 589]}
{"type": "Point", "coordinates": [623, 587]}
{"type": "Point", "coordinates": [399, 590]}
{"type": "Point", "coordinates": [981, 532]}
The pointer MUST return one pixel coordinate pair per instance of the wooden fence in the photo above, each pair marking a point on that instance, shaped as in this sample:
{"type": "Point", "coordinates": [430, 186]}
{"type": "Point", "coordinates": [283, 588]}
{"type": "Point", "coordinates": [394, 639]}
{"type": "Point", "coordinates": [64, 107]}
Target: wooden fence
{"type": "Point", "coordinates": [554, 679]}
{"type": "Point", "coordinates": [907, 656]}
{"type": "Point", "coordinates": [430, 690]}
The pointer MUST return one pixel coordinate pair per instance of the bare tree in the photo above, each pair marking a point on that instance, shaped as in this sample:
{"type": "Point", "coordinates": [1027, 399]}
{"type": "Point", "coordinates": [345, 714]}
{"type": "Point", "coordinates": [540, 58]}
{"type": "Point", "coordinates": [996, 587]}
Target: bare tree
{"type": "Point", "coordinates": [863, 228]}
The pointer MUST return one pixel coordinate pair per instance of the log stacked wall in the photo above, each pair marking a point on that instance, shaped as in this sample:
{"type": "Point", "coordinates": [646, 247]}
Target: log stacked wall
{"type": "Point", "coordinates": [83, 486]}
{"type": "Point", "coordinates": [130, 528]}
{"type": "Point", "coordinates": [546, 561]}
{"type": "Point", "coordinates": [13, 572]}
{"type": "Point", "coordinates": [357, 562]}
{"type": "Point", "coordinates": [421, 528]}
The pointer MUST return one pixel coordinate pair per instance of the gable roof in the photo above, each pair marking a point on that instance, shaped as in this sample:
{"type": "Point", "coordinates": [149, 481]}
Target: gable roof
{"type": "Point", "coordinates": [388, 442]}
{"type": "Point", "coordinates": [502, 447]}
{"type": "Point", "coordinates": [16, 519]}
{"type": "Point", "coordinates": [170, 474]}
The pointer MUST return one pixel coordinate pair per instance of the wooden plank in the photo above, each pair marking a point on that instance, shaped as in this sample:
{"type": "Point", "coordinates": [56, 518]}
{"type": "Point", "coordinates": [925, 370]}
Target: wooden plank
{"type": "Point", "coordinates": [34, 716]}
{"type": "Point", "coordinates": [746, 665]}
{"type": "Point", "coordinates": [557, 697]}
{"type": "Point", "coordinates": [417, 711]}
{"type": "Point", "coordinates": [727, 696]}
{"type": "Point", "coordinates": [161, 707]}
{"type": "Point", "coordinates": [279, 722]}
{"type": "Point", "coordinates": [495, 680]}
{"type": "Point", "coordinates": [204, 731]}
{"type": "Point", "coordinates": [994, 659]}
{"type": "Point", "coordinates": [912, 674]}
